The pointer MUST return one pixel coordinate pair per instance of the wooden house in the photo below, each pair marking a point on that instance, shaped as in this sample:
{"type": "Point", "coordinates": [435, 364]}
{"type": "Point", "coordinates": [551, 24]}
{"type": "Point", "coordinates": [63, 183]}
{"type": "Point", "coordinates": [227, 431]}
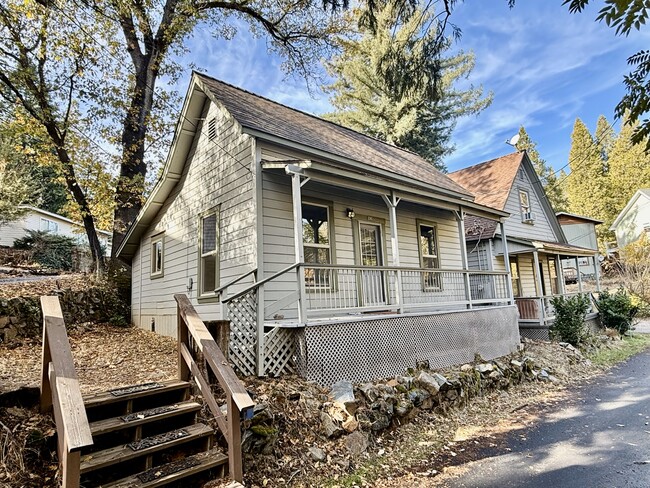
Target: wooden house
{"type": "Point", "coordinates": [536, 243]}
{"type": "Point", "coordinates": [331, 253]}
{"type": "Point", "coordinates": [580, 231]}
{"type": "Point", "coordinates": [634, 220]}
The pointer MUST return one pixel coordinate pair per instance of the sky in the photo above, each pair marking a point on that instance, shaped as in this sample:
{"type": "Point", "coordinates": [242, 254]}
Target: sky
{"type": "Point", "coordinates": [544, 66]}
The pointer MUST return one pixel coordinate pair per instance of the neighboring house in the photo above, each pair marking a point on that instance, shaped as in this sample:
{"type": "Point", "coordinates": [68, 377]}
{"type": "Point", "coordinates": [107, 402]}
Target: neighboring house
{"type": "Point", "coordinates": [331, 253]}
{"type": "Point", "coordinates": [535, 244]}
{"type": "Point", "coordinates": [580, 231]}
{"type": "Point", "coordinates": [634, 219]}
{"type": "Point", "coordinates": [39, 219]}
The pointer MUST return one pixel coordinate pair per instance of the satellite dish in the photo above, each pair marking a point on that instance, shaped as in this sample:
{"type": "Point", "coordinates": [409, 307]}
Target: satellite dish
{"type": "Point", "coordinates": [513, 140]}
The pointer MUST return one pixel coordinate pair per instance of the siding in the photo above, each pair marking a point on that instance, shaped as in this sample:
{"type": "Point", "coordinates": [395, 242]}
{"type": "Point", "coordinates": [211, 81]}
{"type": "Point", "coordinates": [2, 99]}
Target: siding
{"type": "Point", "coordinates": [217, 173]}
{"type": "Point", "coordinates": [632, 225]}
{"type": "Point", "coordinates": [581, 234]}
{"type": "Point", "coordinates": [278, 227]}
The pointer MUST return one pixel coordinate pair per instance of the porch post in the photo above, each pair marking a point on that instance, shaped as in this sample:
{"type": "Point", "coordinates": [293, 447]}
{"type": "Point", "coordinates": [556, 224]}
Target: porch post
{"type": "Point", "coordinates": [597, 271]}
{"type": "Point", "coordinates": [560, 274]}
{"type": "Point", "coordinates": [460, 219]}
{"type": "Point", "coordinates": [506, 259]}
{"type": "Point", "coordinates": [578, 273]}
{"type": "Point", "coordinates": [296, 185]}
{"type": "Point", "coordinates": [391, 203]}
{"type": "Point", "coordinates": [539, 286]}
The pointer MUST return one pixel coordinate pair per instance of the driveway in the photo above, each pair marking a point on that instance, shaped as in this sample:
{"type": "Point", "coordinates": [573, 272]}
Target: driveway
{"type": "Point", "coordinates": [599, 440]}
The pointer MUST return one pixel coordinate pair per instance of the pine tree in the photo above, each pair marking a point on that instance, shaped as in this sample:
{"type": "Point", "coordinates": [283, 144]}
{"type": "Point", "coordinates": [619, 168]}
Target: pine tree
{"type": "Point", "coordinates": [550, 183]}
{"type": "Point", "coordinates": [587, 185]}
{"type": "Point", "coordinates": [605, 137]}
{"type": "Point", "coordinates": [393, 83]}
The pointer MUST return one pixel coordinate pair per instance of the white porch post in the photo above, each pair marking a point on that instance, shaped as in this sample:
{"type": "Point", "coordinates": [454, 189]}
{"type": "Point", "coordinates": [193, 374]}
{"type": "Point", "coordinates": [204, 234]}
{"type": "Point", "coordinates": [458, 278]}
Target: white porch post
{"type": "Point", "coordinates": [578, 273]}
{"type": "Point", "coordinates": [296, 185]}
{"type": "Point", "coordinates": [597, 271]}
{"type": "Point", "coordinates": [391, 202]}
{"type": "Point", "coordinates": [506, 259]}
{"type": "Point", "coordinates": [560, 274]}
{"type": "Point", "coordinates": [539, 286]}
{"type": "Point", "coordinates": [460, 219]}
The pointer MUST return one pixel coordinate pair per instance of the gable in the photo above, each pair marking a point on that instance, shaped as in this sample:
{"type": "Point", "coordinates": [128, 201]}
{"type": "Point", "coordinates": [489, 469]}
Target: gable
{"type": "Point", "coordinates": [633, 219]}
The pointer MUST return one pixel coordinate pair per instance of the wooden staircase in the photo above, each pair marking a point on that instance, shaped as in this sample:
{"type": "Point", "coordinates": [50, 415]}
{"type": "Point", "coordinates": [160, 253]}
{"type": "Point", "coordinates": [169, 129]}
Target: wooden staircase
{"type": "Point", "coordinates": [145, 435]}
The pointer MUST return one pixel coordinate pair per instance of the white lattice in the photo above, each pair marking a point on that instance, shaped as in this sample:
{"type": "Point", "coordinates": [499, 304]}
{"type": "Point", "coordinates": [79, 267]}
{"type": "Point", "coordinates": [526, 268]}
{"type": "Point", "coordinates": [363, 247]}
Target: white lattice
{"type": "Point", "coordinates": [279, 351]}
{"type": "Point", "coordinates": [242, 313]}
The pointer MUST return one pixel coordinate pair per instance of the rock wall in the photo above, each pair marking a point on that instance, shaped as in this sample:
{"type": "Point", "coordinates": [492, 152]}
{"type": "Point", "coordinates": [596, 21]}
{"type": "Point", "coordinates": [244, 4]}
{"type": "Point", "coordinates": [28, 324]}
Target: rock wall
{"type": "Point", "coordinates": [21, 316]}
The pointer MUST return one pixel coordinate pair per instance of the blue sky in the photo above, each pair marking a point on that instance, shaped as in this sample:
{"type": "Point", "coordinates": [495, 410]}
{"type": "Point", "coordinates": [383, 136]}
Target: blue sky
{"type": "Point", "coordinates": [544, 66]}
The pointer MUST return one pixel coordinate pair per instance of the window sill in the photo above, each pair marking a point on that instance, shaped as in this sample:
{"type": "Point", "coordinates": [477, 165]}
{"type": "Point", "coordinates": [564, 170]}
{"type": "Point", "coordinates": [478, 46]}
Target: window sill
{"type": "Point", "coordinates": [209, 298]}
{"type": "Point", "coordinates": [155, 276]}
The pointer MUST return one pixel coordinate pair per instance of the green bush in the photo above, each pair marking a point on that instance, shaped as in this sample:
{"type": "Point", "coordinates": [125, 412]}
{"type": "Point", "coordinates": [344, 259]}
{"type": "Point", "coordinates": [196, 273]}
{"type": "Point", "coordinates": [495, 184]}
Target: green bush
{"type": "Point", "coordinates": [569, 325]}
{"type": "Point", "coordinates": [48, 250]}
{"type": "Point", "coordinates": [617, 310]}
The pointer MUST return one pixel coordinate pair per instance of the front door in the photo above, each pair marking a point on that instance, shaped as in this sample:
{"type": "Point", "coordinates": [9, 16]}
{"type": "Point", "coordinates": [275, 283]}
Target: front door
{"type": "Point", "coordinates": [372, 281]}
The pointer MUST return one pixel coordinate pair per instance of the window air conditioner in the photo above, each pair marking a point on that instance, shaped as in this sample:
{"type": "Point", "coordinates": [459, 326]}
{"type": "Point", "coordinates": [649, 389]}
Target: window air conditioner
{"type": "Point", "coordinates": [529, 217]}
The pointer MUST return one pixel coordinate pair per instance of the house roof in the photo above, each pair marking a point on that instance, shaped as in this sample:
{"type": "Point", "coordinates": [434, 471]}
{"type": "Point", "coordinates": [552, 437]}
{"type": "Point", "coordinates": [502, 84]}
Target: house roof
{"type": "Point", "coordinates": [566, 216]}
{"type": "Point", "coordinates": [645, 192]}
{"type": "Point", "coordinates": [62, 218]}
{"type": "Point", "coordinates": [490, 181]}
{"type": "Point", "coordinates": [268, 117]}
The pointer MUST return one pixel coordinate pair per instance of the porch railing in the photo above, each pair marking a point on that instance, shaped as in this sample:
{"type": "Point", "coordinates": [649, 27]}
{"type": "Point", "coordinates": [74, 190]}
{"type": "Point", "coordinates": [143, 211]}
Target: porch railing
{"type": "Point", "coordinates": [540, 309]}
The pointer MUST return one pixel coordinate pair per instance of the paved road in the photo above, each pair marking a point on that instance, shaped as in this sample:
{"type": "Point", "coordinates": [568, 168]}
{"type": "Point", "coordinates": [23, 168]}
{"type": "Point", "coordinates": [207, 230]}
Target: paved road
{"type": "Point", "coordinates": [600, 440]}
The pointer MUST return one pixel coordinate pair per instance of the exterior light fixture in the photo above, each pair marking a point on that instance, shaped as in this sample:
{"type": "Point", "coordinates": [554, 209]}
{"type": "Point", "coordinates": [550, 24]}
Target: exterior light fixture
{"type": "Point", "coordinates": [350, 213]}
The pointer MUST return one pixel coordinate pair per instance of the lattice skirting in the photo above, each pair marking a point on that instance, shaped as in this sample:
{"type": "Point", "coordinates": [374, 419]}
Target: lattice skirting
{"type": "Point", "coordinates": [535, 332]}
{"type": "Point", "coordinates": [367, 349]}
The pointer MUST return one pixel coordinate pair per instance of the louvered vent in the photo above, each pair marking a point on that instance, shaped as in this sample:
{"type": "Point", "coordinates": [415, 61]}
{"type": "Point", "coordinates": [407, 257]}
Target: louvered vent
{"type": "Point", "coordinates": [212, 128]}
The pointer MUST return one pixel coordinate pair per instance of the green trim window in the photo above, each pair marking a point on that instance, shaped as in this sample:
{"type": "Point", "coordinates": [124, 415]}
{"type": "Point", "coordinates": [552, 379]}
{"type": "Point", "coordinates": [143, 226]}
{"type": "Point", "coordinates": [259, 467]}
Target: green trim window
{"type": "Point", "coordinates": [429, 255]}
{"type": "Point", "coordinates": [515, 277]}
{"type": "Point", "coordinates": [317, 243]}
{"type": "Point", "coordinates": [209, 253]}
{"type": "Point", "coordinates": [157, 255]}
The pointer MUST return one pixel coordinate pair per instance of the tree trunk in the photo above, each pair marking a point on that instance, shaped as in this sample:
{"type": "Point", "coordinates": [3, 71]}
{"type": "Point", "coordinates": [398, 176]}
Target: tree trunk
{"type": "Point", "coordinates": [130, 186]}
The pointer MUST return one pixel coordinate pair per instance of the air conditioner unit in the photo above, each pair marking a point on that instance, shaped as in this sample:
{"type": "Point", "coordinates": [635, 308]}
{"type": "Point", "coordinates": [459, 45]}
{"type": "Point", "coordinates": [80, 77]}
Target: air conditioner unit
{"type": "Point", "coordinates": [529, 217]}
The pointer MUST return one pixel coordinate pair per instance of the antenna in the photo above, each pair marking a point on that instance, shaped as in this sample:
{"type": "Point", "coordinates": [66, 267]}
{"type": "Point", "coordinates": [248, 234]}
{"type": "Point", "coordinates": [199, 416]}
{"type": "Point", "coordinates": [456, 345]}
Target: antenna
{"type": "Point", "coordinates": [513, 140]}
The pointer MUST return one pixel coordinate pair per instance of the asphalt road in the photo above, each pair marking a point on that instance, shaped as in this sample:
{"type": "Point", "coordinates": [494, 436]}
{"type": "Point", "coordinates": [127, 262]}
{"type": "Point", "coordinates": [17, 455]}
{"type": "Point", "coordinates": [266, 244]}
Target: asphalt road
{"type": "Point", "coordinates": [601, 440]}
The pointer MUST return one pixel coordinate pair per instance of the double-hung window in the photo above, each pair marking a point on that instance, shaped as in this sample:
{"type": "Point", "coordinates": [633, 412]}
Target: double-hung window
{"type": "Point", "coordinates": [316, 242]}
{"type": "Point", "coordinates": [209, 253]}
{"type": "Point", "coordinates": [429, 256]}
{"type": "Point", "coordinates": [157, 255]}
{"type": "Point", "coordinates": [524, 202]}
{"type": "Point", "coordinates": [514, 276]}
{"type": "Point", "coordinates": [48, 225]}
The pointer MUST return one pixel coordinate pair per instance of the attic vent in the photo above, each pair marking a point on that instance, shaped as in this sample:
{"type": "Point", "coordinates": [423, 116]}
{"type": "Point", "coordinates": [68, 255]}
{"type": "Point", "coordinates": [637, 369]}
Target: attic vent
{"type": "Point", "coordinates": [212, 128]}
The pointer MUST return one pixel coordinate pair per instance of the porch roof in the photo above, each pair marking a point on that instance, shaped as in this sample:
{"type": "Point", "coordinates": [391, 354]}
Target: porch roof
{"type": "Point", "coordinates": [554, 248]}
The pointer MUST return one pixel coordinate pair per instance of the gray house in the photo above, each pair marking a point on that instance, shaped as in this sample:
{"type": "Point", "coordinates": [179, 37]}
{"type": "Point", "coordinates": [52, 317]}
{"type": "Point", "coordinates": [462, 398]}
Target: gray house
{"type": "Point", "coordinates": [332, 254]}
{"type": "Point", "coordinates": [634, 220]}
{"type": "Point", "coordinates": [536, 244]}
{"type": "Point", "coordinates": [580, 231]}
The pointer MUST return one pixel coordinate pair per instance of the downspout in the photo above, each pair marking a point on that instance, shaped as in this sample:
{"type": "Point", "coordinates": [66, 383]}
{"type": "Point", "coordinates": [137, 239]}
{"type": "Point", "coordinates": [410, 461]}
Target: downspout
{"type": "Point", "coordinates": [392, 202]}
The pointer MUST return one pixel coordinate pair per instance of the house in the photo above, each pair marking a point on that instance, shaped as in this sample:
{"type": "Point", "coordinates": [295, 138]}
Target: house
{"type": "Point", "coordinates": [535, 244]}
{"type": "Point", "coordinates": [580, 231]}
{"type": "Point", "coordinates": [634, 219]}
{"type": "Point", "coordinates": [332, 254]}
{"type": "Point", "coordinates": [38, 219]}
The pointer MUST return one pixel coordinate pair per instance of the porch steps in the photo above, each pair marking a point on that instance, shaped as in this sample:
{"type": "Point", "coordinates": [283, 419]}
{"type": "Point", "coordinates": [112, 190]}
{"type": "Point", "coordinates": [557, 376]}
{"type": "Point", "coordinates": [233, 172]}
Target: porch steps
{"type": "Point", "coordinates": [147, 436]}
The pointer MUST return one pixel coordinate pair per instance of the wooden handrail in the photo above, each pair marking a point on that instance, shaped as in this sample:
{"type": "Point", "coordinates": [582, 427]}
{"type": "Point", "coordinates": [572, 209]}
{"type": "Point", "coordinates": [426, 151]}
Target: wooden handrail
{"type": "Point", "coordinates": [60, 392]}
{"type": "Point", "coordinates": [239, 403]}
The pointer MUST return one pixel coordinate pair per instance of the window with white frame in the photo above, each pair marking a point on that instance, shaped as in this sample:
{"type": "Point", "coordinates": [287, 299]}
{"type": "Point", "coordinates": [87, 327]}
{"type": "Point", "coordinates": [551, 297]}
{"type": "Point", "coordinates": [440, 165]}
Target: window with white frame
{"type": "Point", "coordinates": [524, 202]}
{"type": "Point", "coordinates": [48, 225]}
{"type": "Point", "coordinates": [429, 255]}
{"type": "Point", "coordinates": [157, 255]}
{"type": "Point", "coordinates": [514, 276]}
{"type": "Point", "coordinates": [316, 242]}
{"type": "Point", "coordinates": [209, 253]}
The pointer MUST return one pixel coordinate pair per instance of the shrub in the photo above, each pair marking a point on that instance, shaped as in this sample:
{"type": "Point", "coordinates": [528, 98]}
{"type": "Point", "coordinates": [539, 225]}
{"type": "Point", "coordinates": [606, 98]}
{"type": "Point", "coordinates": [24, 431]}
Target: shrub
{"type": "Point", "coordinates": [617, 310]}
{"type": "Point", "coordinates": [569, 324]}
{"type": "Point", "coordinates": [48, 250]}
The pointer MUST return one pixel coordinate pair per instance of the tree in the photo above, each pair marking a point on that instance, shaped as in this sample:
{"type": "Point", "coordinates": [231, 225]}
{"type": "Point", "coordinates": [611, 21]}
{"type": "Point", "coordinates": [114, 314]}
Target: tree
{"type": "Point", "coordinates": [392, 82]}
{"type": "Point", "coordinates": [550, 182]}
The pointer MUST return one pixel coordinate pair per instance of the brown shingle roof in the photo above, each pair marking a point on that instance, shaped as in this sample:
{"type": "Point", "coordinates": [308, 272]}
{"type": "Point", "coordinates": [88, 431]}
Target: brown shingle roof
{"type": "Point", "coordinates": [490, 181]}
{"type": "Point", "coordinates": [263, 115]}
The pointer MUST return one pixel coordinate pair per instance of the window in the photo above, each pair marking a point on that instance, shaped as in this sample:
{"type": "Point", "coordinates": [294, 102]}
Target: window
{"type": "Point", "coordinates": [514, 276]}
{"type": "Point", "coordinates": [524, 200]}
{"type": "Point", "coordinates": [48, 225]}
{"type": "Point", "coordinates": [209, 252]}
{"type": "Point", "coordinates": [157, 252]}
{"type": "Point", "coordinates": [552, 273]}
{"type": "Point", "coordinates": [316, 243]}
{"type": "Point", "coordinates": [429, 258]}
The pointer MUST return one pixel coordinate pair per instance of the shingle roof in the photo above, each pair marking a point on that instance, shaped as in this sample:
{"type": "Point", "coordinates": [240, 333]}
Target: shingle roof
{"type": "Point", "coordinates": [263, 115]}
{"type": "Point", "coordinates": [490, 181]}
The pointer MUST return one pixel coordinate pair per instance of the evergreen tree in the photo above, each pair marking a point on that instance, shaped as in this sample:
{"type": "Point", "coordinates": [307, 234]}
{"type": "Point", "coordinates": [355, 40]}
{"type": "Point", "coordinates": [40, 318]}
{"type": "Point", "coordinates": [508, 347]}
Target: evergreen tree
{"type": "Point", "coordinates": [550, 183]}
{"type": "Point", "coordinates": [587, 184]}
{"type": "Point", "coordinates": [605, 137]}
{"type": "Point", "coordinates": [392, 82]}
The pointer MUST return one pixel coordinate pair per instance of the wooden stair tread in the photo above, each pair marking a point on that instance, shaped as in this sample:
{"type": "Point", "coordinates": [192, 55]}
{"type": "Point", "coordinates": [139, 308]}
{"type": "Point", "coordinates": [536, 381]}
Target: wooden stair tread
{"type": "Point", "coordinates": [206, 460]}
{"type": "Point", "coordinates": [116, 423]}
{"type": "Point", "coordinates": [114, 455]}
{"type": "Point", "coordinates": [105, 397]}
